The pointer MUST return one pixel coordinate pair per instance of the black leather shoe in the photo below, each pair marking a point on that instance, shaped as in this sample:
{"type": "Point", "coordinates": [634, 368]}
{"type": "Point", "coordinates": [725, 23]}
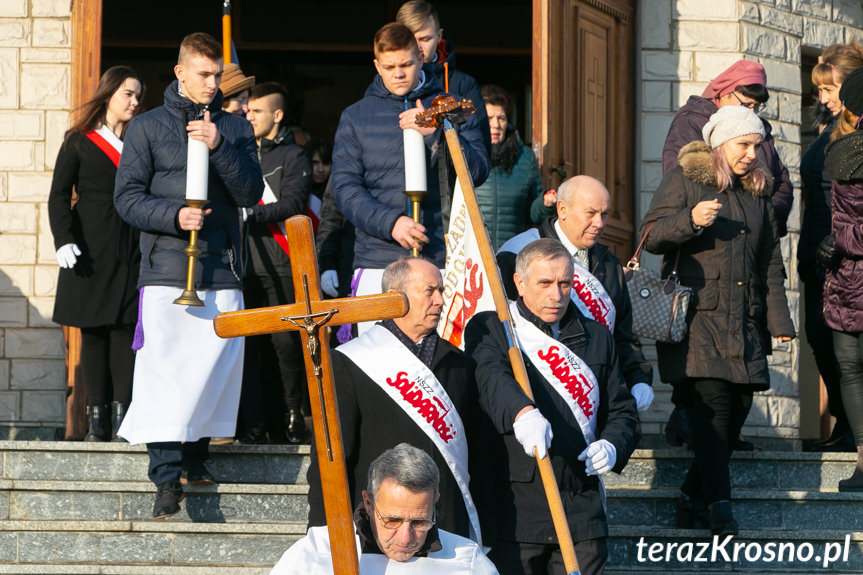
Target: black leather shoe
{"type": "Point", "coordinates": [97, 422]}
{"type": "Point", "coordinates": [197, 474]}
{"type": "Point", "coordinates": [118, 412]}
{"type": "Point", "coordinates": [741, 444]}
{"type": "Point", "coordinates": [295, 425]}
{"type": "Point", "coordinates": [255, 435]}
{"type": "Point", "coordinates": [721, 520]}
{"type": "Point", "coordinates": [691, 513]}
{"type": "Point", "coordinates": [168, 497]}
{"type": "Point", "coordinates": [677, 430]}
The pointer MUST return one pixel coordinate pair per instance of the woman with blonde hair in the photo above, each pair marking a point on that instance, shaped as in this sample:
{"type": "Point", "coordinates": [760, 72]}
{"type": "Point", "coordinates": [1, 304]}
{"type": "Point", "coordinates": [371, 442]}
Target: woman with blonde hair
{"type": "Point", "coordinates": [835, 64]}
{"type": "Point", "coordinates": [712, 214]}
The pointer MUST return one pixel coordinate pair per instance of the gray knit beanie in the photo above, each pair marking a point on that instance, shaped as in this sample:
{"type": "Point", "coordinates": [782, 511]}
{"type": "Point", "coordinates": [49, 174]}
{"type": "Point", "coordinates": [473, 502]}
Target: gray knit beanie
{"type": "Point", "coordinates": [731, 122]}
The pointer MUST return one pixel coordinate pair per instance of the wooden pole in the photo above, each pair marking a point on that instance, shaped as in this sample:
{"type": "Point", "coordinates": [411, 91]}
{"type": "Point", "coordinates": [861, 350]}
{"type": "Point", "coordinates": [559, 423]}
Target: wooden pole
{"type": "Point", "coordinates": [552, 493]}
{"type": "Point", "coordinates": [226, 31]}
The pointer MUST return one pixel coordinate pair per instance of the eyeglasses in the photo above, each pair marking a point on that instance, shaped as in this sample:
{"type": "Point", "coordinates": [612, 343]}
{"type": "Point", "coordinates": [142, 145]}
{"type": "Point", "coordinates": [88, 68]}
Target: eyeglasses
{"type": "Point", "coordinates": [753, 105]}
{"type": "Point", "coordinates": [394, 523]}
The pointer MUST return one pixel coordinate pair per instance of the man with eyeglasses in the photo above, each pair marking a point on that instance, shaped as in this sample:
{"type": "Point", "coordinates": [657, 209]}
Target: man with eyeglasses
{"type": "Point", "coordinates": [395, 526]}
{"type": "Point", "coordinates": [742, 84]}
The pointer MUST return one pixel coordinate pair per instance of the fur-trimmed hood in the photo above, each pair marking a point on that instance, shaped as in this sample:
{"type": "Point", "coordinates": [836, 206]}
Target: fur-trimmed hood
{"type": "Point", "coordinates": [694, 158]}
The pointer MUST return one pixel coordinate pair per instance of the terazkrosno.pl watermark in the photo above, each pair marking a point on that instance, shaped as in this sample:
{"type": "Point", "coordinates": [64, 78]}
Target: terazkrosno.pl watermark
{"type": "Point", "coordinates": [729, 551]}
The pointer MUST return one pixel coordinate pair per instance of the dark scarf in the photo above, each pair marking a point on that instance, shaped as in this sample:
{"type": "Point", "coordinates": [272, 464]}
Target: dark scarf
{"type": "Point", "coordinates": [844, 157]}
{"type": "Point", "coordinates": [367, 538]}
{"type": "Point", "coordinates": [424, 350]}
{"type": "Point", "coordinates": [505, 153]}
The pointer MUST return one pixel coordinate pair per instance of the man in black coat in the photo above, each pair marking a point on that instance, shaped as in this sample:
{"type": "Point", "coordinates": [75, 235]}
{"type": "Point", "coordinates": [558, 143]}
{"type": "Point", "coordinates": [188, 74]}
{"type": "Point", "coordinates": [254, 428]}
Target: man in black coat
{"type": "Point", "coordinates": [287, 173]}
{"type": "Point", "coordinates": [380, 407]}
{"type": "Point", "coordinates": [582, 210]}
{"type": "Point", "coordinates": [582, 414]}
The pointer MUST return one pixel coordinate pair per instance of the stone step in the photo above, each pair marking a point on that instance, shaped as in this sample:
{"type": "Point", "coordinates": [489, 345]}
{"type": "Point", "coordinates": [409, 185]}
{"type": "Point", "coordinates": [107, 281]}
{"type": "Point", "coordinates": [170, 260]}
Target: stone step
{"type": "Point", "coordinates": [80, 461]}
{"type": "Point", "coordinates": [764, 511]}
{"type": "Point", "coordinates": [144, 547]}
{"type": "Point", "coordinates": [117, 500]}
{"type": "Point", "coordinates": [780, 470]}
{"type": "Point", "coordinates": [625, 543]}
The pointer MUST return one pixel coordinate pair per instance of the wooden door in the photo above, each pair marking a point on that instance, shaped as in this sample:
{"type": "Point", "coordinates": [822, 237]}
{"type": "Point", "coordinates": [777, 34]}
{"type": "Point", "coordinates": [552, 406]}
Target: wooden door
{"type": "Point", "coordinates": [583, 110]}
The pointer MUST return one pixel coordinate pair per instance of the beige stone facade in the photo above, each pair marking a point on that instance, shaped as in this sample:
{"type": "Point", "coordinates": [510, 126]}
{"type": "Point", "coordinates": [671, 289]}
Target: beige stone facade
{"type": "Point", "coordinates": [683, 45]}
{"type": "Point", "coordinates": [35, 76]}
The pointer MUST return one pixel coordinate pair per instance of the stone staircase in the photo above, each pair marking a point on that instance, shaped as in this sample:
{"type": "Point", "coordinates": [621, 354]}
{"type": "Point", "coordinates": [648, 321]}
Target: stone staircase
{"type": "Point", "coordinates": [71, 507]}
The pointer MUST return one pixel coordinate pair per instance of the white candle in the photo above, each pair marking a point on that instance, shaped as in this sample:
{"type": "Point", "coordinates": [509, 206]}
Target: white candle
{"type": "Point", "coordinates": [197, 170]}
{"type": "Point", "coordinates": [415, 161]}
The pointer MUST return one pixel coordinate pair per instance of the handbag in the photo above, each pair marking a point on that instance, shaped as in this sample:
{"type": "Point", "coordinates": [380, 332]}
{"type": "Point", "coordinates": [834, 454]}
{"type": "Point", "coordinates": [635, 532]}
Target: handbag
{"type": "Point", "coordinates": [659, 306]}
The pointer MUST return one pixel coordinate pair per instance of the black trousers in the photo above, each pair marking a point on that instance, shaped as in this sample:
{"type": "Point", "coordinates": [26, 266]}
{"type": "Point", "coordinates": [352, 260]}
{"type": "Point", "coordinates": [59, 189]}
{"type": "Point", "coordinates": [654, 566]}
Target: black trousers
{"type": "Point", "coordinates": [820, 338]}
{"type": "Point", "coordinates": [849, 354]}
{"type": "Point", "coordinates": [514, 558]}
{"type": "Point", "coordinates": [107, 363]}
{"type": "Point", "coordinates": [717, 411]}
{"type": "Point", "coordinates": [168, 458]}
{"type": "Point", "coordinates": [274, 372]}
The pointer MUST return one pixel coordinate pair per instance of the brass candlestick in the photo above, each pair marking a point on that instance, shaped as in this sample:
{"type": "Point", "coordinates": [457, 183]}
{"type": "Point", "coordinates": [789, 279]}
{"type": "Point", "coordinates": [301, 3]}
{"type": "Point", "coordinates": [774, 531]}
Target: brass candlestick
{"type": "Point", "coordinates": [190, 296]}
{"type": "Point", "coordinates": [416, 198]}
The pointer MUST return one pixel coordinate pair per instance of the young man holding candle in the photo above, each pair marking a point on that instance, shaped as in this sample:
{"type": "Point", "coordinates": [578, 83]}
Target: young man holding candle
{"type": "Point", "coordinates": [187, 380]}
{"type": "Point", "coordinates": [369, 161]}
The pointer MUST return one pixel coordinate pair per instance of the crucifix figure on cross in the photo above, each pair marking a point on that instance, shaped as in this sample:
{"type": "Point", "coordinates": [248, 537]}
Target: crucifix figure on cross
{"type": "Point", "coordinates": [308, 317]}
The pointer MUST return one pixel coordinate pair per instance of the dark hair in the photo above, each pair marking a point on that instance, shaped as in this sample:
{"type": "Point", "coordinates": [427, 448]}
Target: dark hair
{"type": "Point", "coordinates": [757, 92]}
{"type": "Point", "coordinates": [414, 14]}
{"type": "Point", "coordinates": [393, 37]}
{"type": "Point", "coordinates": [91, 114]}
{"type": "Point", "coordinates": [497, 96]}
{"type": "Point", "coordinates": [271, 89]}
{"type": "Point", "coordinates": [202, 44]}
{"type": "Point", "coordinates": [320, 148]}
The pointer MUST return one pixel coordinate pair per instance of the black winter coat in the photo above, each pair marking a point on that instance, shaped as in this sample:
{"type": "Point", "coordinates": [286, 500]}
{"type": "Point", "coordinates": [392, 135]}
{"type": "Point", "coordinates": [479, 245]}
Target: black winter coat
{"type": "Point", "coordinates": [686, 127]}
{"type": "Point", "coordinates": [523, 513]}
{"type": "Point", "coordinates": [816, 197]}
{"type": "Point", "coordinates": [151, 187]}
{"type": "Point", "coordinates": [369, 172]}
{"type": "Point", "coordinates": [101, 288]}
{"type": "Point", "coordinates": [288, 171]}
{"type": "Point", "coordinates": [335, 241]}
{"type": "Point", "coordinates": [371, 423]}
{"type": "Point", "coordinates": [734, 268]}
{"type": "Point", "coordinates": [605, 266]}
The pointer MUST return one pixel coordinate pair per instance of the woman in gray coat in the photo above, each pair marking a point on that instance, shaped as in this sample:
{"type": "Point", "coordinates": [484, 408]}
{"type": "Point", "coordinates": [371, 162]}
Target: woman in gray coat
{"type": "Point", "coordinates": [714, 209]}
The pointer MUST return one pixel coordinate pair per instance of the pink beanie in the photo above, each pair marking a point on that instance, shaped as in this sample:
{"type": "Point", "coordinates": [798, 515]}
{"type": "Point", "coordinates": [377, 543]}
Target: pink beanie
{"type": "Point", "coordinates": [741, 73]}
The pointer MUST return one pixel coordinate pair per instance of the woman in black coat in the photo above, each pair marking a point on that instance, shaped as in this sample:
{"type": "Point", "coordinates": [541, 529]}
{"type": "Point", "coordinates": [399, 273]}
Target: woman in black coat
{"type": "Point", "coordinates": [98, 252]}
{"type": "Point", "coordinates": [714, 209]}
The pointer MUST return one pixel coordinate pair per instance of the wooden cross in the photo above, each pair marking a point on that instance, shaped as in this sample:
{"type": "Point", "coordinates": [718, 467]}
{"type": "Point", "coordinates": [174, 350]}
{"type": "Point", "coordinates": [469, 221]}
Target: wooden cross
{"type": "Point", "coordinates": [308, 316]}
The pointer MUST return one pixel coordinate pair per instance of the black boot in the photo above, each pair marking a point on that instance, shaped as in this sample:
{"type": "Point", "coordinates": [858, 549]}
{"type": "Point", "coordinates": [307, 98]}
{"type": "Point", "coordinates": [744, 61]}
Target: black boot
{"type": "Point", "coordinates": [168, 497]}
{"type": "Point", "coordinates": [691, 512]}
{"type": "Point", "coordinates": [97, 420]}
{"type": "Point", "coordinates": [677, 430]}
{"type": "Point", "coordinates": [841, 439]}
{"type": "Point", "coordinates": [118, 412]}
{"type": "Point", "coordinates": [721, 520]}
{"type": "Point", "coordinates": [295, 425]}
{"type": "Point", "coordinates": [855, 482]}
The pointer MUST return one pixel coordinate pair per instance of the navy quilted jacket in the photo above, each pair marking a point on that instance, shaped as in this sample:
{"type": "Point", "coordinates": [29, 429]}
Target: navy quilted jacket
{"type": "Point", "coordinates": [151, 187]}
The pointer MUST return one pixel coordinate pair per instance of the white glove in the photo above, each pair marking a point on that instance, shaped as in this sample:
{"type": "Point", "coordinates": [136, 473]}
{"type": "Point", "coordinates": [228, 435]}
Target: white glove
{"type": "Point", "coordinates": [601, 457]}
{"type": "Point", "coordinates": [330, 283]}
{"type": "Point", "coordinates": [67, 255]}
{"type": "Point", "coordinates": [643, 395]}
{"type": "Point", "coordinates": [532, 430]}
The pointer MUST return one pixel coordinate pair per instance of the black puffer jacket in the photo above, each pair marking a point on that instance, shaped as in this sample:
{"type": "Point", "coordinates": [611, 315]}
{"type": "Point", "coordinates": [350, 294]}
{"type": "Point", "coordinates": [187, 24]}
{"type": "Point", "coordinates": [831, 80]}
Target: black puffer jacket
{"type": "Point", "coordinates": [734, 268]}
{"type": "Point", "coordinates": [288, 171]}
{"type": "Point", "coordinates": [151, 187]}
{"type": "Point", "coordinates": [522, 508]}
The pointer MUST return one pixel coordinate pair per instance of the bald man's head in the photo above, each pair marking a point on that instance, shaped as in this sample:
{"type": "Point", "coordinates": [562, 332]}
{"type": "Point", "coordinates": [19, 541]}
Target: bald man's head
{"type": "Point", "coordinates": [582, 210]}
